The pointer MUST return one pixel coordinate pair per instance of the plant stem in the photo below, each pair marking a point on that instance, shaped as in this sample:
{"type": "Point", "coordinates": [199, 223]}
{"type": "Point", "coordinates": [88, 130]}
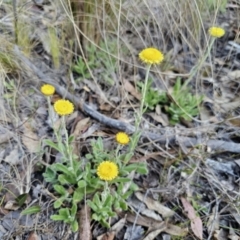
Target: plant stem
{"type": "Point", "coordinates": [69, 152]}
{"type": "Point", "coordinates": [199, 65]}
{"type": "Point", "coordinates": [144, 93]}
{"type": "Point", "coordinates": [136, 136]}
{"type": "Point", "coordinates": [14, 4]}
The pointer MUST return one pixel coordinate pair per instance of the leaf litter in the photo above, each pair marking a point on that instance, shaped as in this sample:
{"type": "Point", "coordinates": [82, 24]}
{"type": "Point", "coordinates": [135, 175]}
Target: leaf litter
{"type": "Point", "coordinates": [211, 153]}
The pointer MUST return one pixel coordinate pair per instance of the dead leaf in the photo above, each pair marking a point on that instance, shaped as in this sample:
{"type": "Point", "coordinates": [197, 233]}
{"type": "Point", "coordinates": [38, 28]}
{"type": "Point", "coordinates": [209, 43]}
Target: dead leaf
{"type": "Point", "coordinates": [5, 137]}
{"type": "Point", "coordinates": [232, 234]}
{"type": "Point", "coordinates": [118, 226]}
{"type": "Point", "coordinates": [232, 5]}
{"type": "Point", "coordinates": [133, 232]}
{"type": "Point", "coordinates": [33, 236]}
{"type": "Point", "coordinates": [196, 222]}
{"type": "Point", "coordinates": [144, 221]}
{"type": "Point", "coordinates": [159, 118]}
{"type": "Point", "coordinates": [80, 127]}
{"type": "Point", "coordinates": [86, 88]}
{"type": "Point", "coordinates": [84, 223]}
{"type": "Point", "coordinates": [11, 205]}
{"type": "Point", "coordinates": [233, 237]}
{"type": "Point", "coordinates": [106, 107]}
{"type": "Point", "coordinates": [220, 235]}
{"type": "Point", "coordinates": [229, 106]}
{"type": "Point", "coordinates": [131, 89]}
{"type": "Point", "coordinates": [92, 129]}
{"type": "Point", "coordinates": [152, 235]}
{"type": "Point", "coordinates": [12, 191]}
{"type": "Point", "coordinates": [96, 89]}
{"type": "Point", "coordinates": [175, 230]}
{"type": "Point", "coordinates": [3, 211]}
{"type": "Point", "coordinates": [151, 214]}
{"type": "Point", "coordinates": [234, 121]}
{"type": "Point", "coordinates": [13, 158]}
{"type": "Point", "coordinates": [155, 205]}
{"type": "Point", "coordinates": [30, 139]}
{"type": "Point", "coordinates": [232, 75]}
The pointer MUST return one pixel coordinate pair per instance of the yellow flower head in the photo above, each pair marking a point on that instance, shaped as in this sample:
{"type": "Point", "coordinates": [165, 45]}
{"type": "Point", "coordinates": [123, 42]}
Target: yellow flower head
{"type": "Point", "coordinates": [216, 32]}
{"type": "Point", "coordinates": [47, 89]}
{"type": "Point", "coordinates": [122, 138]}
{"type": "Point", "coordinates": [151, 56]}
{"type": "Point", "coordinates": [107, 170]}
{"type": "Point", "coordinates": [63, 107]}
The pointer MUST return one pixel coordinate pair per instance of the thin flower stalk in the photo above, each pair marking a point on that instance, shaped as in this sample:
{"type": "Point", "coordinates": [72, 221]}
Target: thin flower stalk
{"type": "Point", "coordinates": [215, 32]}
{"type": "Point", "coordinates": [68, 147]}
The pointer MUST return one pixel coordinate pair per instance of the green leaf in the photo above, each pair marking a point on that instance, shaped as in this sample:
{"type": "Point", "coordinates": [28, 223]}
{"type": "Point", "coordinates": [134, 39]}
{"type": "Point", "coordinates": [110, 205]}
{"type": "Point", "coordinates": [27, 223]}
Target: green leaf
{"type": "Point", "coordinates": [21, 199]}
{"type": "Point", "coordinates": [142, 169]}
{"type": "Point", "coordinates": [70, 139]}
{"type": "Point", "coordinates": [120, 180]}
{"type": "Point", "coordinates": [116, 205]}
{"type": "Point", "coordinates": [131, 167]}
{"type": "Point", "coordinates": [90, 190]}
{"type": "Point", "coordinates": [108, 201]}
{"type": "Point", "coordinates": [58, 203]}
{"type": "Point", "coordinates": [69, 175]}
{"type": "Point", "coordinates": [123, 205]}
{"type": "Point", "coordinates": [105, 223]}
{"type": "Point", "coordinates": [128, 157]}
{"type": "Point", "coordinates": [58, 217]}
{"type": "Point", "coordinates": [96, 217]}
{"type": "Point", "coordinates": [64, 212]}
{"type": "Point", "coordinates": [62, 168]}
{"type": "Point", "coordinates": [127, 194]}
{"type": "Point", "coordinates": [82, 184]}
{"type": "Point", "coordinates": [74, 226]}
{"type": "Point", "coordinates": [89, 156]}
{"type": "Point", "coordinates": [50, 175]}
{"type": "Point", "coordinates": [74, 210]}
{"type": "Point", "coordinates": [31, 210]}
{"type": "Point", "coordinates": [134, 187]}
{"type": "Point", "coordinates": [99, 144]}
{"type": "Point", "coordinates": [78, 195]}
{"type": "Point", "coordinates": [52, 144]}
{"type": "Point", "coordinates": [97, 200]}
{"type": "Point", "coordinates": [60, 189]}
{"type": "Point", "coordinates": [63, 179]}
{"type": "Point", "coordinates": [92, 205]}
{"type": "Point", "coordinates": [95, 183]}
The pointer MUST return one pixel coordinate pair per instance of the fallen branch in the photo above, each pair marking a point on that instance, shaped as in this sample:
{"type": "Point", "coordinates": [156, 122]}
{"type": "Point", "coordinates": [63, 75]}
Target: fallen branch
{"type": "Point", "coordinates": [162, 138]}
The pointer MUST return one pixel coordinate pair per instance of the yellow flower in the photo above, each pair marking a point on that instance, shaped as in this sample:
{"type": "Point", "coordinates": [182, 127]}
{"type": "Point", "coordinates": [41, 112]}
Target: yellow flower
{"type": "Point", "coordinates": [151, 56]}
{"type": "Point", "coordinates": [47, 89]}
{"type": "Point", "coordinates": [107, 170]}
{"type": "Point", "coordinates": [122, 138]}
{"type": "Point", "coordinates": [63, 107]}
{"type": "Point", "coordinates": [216, 32]}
